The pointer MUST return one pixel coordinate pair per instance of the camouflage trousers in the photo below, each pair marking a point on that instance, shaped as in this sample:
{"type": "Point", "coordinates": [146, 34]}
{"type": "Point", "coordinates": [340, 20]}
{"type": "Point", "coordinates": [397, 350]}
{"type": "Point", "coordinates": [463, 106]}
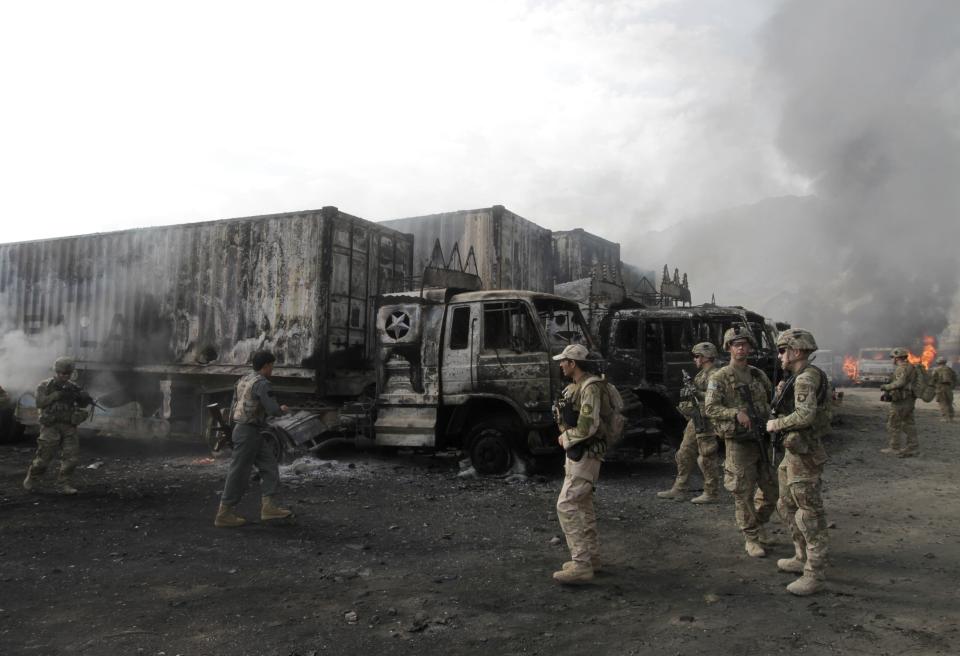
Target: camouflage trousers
{"type": "Point", "coordinates": [801, 506]}
{"type": "Point", "coordinates": [250, 449]}
{"type": "Point", "coordinates": [900, 420]}
{"type": "Point", "coordinates": [945, 401]}
{"type": "Point", "coordinates": [704, 450]}
{"type": "Point", "coordinates": [744, 475]}
{"type": "Point", "coordinates": [62, 436]}
{"type": "Point", "coordinates": [575, 508]}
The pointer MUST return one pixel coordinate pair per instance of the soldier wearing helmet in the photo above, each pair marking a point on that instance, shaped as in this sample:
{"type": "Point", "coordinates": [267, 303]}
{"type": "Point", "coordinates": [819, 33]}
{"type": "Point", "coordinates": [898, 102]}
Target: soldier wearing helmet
{"type": "Point", "coordinates": [61, 404]}
{"type": "Point", "coordinates": [945, 380]}
{"type": "Point", "coordinates": [803, 417]}
{"type": "Point", "coordinates": [730, 392]}
{"type": "Point", "coordinates": [902, 402]}
{"type": "Point", "coordinates": [699, 438]}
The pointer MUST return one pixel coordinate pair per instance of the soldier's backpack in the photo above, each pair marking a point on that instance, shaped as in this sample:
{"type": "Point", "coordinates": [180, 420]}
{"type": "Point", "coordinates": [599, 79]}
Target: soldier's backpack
{"type": "Point", "coordinates": [618, 421]}
{"type": "Point", "coordinates": [923, 385]}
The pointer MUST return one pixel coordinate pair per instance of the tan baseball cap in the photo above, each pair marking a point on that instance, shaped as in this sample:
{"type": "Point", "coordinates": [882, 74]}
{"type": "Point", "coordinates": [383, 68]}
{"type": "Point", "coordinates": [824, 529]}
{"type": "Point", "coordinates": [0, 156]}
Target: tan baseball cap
{"type": "Point", "coordinates": [573, 352]}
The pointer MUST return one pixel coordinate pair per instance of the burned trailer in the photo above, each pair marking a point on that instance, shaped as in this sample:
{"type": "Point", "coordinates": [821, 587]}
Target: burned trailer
{"type": "Point", "coordinates": [472, 370]}
{"type": "Point", "coordinates": [163, 320]}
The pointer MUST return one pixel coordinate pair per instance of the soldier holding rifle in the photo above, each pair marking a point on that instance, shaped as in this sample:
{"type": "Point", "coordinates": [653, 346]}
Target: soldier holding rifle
{"type": "Point", "coordinates": [61, 404]}
{"type": "Point", "coordinates": [699, 438]}
{"type": "Point", "coordinates": [734, 393]}
{"type": "Point", "coordinates": [801, 417]}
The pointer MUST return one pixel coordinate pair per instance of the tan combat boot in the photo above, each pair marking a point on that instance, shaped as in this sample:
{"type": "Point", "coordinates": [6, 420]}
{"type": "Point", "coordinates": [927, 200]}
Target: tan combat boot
{"type": "Point", "coordinates": [754, 549]}
{"type": "Point", "coordinates": [269, 510]}
{"type": "Point", "coordinates": [29, 483]}
{"type": "Point", "coordinates": [594, 563]}
{"type": "Point", "coordinates": [889, 451]}
{"type": "Point", "coordinates": [907, 453]}
{"type": "Point", "coordinates": [792, 565]}
{"type": "Point", "coordinates": [577, 574]}
{"type": "Point", "coordinates": [705, 498]}
{"type": "Point", "coordinates": [226, 518]}
{"type": "Point", "coordinates": [676, 492]}
{"type": "Point", "coordinates": [806, 585]}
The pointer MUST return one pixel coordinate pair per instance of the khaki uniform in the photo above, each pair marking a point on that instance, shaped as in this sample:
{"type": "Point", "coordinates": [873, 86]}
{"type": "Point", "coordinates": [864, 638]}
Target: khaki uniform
{"type": "Point", "coordinates": [805, 421]}
{"type": "Point", "coordinates": [945, 379]}
{"type": "Point", "coordinates": [59, 418]}
{"type": "Point", "coordinates": [575, 503]}
{"type": "Point", "coordinates": [900, 415]}
{"type": "Point", "coordinates": [700, 447]}
{"type": "Point", "coordinates": [745, 467]}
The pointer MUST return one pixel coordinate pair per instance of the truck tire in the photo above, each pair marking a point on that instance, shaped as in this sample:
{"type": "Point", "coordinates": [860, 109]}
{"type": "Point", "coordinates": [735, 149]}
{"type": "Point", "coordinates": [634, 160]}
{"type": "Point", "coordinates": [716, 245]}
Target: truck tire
{"type": "Point", "coordinates": [490, 446]}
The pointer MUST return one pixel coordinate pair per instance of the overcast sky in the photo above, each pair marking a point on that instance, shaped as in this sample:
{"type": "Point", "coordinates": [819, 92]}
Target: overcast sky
{"type": "Point", "coordinates": [571, 113]}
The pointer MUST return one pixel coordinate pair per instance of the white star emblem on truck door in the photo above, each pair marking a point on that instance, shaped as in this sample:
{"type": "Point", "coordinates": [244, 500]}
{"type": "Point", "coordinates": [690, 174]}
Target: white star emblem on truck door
{"type": "Point", "coordinates": [398, 325]}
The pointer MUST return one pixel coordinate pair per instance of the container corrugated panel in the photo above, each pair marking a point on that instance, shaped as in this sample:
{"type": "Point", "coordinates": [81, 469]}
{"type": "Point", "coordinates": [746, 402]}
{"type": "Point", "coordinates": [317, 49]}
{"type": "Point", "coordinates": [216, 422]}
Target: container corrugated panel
{"type": "Point", "coordinates": [301, 284]}
{"type": "Point", "coordinates": [580, 254]}
{"type": "Point", "coordinates": [511, 252]}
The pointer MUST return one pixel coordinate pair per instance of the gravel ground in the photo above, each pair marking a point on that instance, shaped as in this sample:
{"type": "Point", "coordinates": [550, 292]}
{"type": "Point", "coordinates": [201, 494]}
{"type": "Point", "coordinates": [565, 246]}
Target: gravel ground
{"type": "Point", "coordinates": [397, 555]}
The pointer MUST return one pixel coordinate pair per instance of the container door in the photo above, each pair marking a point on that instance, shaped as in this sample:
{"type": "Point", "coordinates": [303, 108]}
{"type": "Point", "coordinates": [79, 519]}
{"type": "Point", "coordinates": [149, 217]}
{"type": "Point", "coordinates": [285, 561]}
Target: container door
{"type": "Point", "coordinates": [513, 359]}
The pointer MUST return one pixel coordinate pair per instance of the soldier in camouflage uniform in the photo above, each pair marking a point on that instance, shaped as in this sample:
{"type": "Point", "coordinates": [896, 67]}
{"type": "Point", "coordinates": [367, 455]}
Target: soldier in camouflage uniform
{"type": "Point", "coordinates": [803, 416]}
{"type": "Point", "coordinates": [945, 379]}
{"type": "Point", "coordinates": [902, 401]}
{"type": "Point", "coordinates": [61, 404]}
{"type": "Point", "coordinates": [253, 402]}
{"type": "Point", "coordinates": [746, 468]}
{"type": "Point", "coordinates": [702, 441]}
{"type": "Point", "coordinates": [589, 397]}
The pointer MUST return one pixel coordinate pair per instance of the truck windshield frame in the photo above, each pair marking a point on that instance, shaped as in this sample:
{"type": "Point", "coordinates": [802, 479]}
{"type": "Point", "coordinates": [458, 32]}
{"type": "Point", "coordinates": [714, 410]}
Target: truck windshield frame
{"type": "Point", "coordinates": [562, 323]}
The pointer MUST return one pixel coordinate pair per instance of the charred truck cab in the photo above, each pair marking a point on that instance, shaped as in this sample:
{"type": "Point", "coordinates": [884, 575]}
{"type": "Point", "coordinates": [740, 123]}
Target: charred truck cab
{"type": "Point", "coordinates": [473, 370]}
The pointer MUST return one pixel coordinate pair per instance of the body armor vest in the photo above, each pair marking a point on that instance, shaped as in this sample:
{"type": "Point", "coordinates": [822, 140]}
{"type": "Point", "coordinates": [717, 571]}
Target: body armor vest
{"type": "Point", "coordinates": [247, 408]}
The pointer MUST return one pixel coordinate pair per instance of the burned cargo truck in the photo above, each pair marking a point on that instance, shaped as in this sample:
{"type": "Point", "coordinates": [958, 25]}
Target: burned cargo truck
{"type": "Point", "coordinates": [647, 350]}
{"type": "Point", "coordinates": [473, 370]}
{"type": "Point", "coordinates": [162, 321]}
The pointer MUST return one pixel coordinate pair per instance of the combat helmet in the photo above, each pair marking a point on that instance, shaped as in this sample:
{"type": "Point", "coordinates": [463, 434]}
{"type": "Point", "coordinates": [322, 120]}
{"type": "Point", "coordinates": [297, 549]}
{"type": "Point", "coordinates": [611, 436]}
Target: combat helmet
{"type": "Point", "coordinates": [899, 352]}
{"type": "Point", "coordinates": [64, 365]}
{"type": "Point", "coordinates": [739, 331]}
{"type": "Point", "coordinates": [797, 339]}
{"type": "Point", "coordinates": [706, 349]}
{"type": "Point", "coordinates": [941, 360]}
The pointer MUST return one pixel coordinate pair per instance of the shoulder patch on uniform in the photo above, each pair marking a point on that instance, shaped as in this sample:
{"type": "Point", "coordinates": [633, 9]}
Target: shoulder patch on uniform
{"type": "Point", "coordinates": [801, 397]}
{"type": "Point", "coordinates": [713, 385]}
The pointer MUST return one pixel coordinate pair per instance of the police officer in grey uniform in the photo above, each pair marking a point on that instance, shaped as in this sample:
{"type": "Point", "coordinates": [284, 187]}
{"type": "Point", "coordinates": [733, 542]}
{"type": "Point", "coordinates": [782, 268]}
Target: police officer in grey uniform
{"type": "Point", "coordinates": [253, 403]}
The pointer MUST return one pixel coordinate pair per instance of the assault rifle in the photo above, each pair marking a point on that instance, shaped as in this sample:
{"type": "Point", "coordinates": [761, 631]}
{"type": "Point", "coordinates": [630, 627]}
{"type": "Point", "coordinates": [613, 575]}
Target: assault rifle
{"type": "Point", "coordinates": [567, 415]}
{"type": "Point", "coordinates": [779, 397]}
{"type": "Point", "coordinates": [688, 392]}
{"type": "Point", "coordinates": [757, 425]}
{"type": "Point", "coordinates": [72, 393]}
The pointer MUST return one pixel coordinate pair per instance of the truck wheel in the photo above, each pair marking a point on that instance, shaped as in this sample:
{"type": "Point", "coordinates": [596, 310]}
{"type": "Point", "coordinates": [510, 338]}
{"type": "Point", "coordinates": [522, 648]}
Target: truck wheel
{"type": "Point", "coordinates": [490, 447]}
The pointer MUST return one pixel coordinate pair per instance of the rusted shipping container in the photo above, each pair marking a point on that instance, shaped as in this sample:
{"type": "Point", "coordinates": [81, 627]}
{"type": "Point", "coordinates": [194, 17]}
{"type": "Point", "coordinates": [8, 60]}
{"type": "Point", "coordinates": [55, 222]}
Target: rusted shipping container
{"type": "Point", "coordinates": [179, 302]}
{"type": "Point", "coordinates": [579, 254]}
{"type": "Point", "coordinates": [511, 252]}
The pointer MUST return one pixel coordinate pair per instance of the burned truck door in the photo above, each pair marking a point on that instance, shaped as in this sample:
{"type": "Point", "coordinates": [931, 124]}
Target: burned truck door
{"type": "Point", "coordinates": [652, 351]}
{"type": "Point", "coordinates": [460, 348]}
{"type": "Point", "coordinates": [513, 361]}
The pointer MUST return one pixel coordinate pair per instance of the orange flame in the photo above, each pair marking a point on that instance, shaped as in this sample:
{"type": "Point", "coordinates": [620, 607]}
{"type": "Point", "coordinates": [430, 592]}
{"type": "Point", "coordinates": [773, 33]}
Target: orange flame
{"type": "Point", "coordinates": [850, 366]}
{"type": "Point", "coordinates": [929, 353]}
